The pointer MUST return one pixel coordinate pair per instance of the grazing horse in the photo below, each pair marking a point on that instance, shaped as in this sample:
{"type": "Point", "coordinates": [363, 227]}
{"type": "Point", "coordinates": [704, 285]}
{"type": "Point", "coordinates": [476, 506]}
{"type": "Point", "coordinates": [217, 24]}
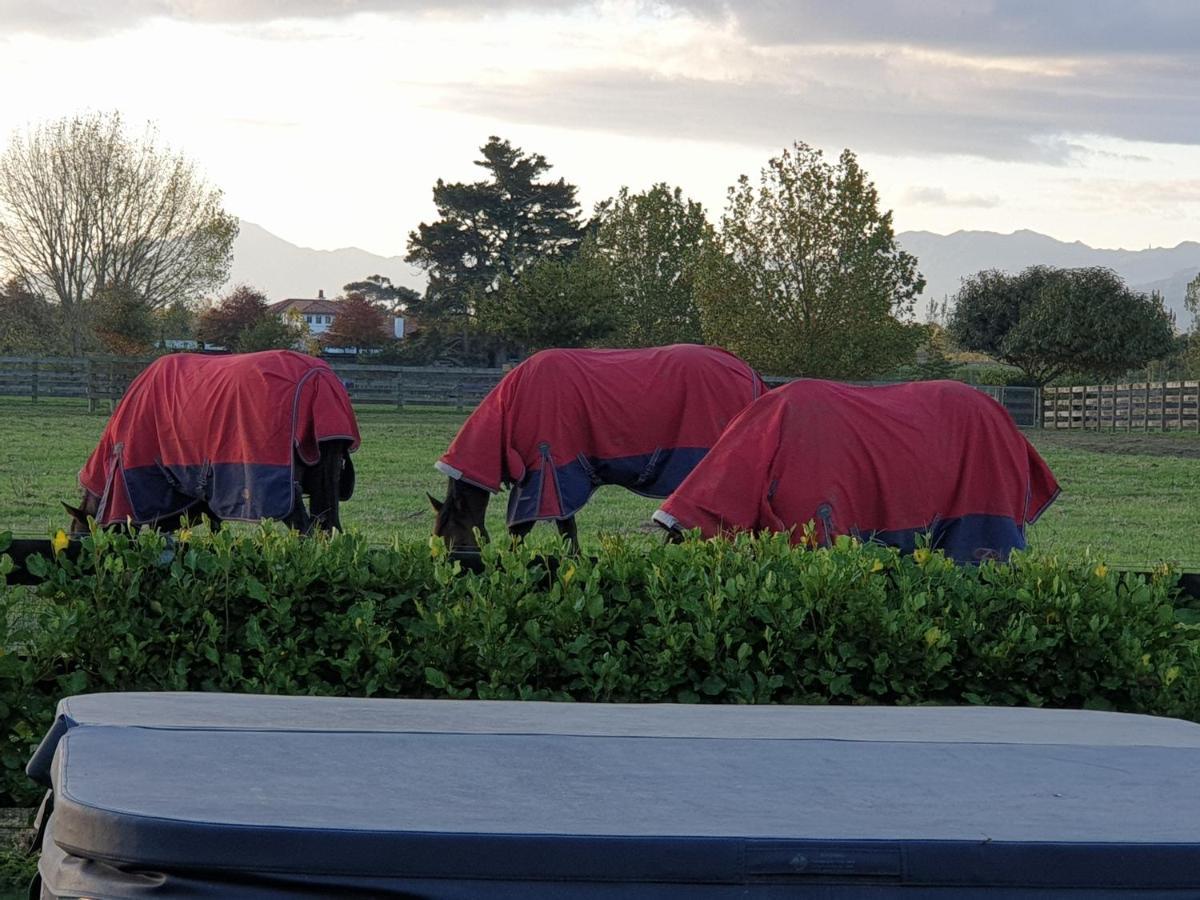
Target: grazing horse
{"type": "Point", "coordinates": [240, 437]}
{"type": "Point", "coordinates": [564, 422]}
{"type": "Point", "coordinates": [885, 463]}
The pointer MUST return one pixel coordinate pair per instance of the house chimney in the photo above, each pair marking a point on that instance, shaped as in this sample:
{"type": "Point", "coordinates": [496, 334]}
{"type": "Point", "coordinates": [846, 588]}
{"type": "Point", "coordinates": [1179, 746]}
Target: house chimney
{"type": "Point", "coordinates": [320, 295]}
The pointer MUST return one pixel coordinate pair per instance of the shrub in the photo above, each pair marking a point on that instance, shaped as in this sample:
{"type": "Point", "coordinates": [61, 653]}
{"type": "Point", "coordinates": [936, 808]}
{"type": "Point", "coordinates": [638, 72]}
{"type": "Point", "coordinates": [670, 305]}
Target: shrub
{"type": "Point", "coordinates": [752, 620]}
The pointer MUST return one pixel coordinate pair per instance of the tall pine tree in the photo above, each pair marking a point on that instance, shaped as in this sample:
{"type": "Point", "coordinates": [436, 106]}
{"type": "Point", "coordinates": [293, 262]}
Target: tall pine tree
{"type": "Point", "coordinates": [492, 229]}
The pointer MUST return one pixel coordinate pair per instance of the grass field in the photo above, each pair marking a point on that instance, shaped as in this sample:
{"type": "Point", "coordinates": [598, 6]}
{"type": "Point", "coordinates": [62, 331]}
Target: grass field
{"type": "Point", "coordinates": [1130, 499]}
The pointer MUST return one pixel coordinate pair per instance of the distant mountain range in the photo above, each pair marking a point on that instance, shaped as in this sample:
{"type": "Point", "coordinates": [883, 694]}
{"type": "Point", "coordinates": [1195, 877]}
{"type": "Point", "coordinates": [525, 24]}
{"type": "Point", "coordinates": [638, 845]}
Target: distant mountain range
{"type": "Point", "coordinates": [946, 259]}
{"type": "Point", "coordinates": [284, 270]}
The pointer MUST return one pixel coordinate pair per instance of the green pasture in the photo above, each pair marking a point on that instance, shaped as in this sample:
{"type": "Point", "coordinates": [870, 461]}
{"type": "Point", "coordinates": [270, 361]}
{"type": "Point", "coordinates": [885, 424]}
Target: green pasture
{"type": "Point", "coordinates": [1129, 499]}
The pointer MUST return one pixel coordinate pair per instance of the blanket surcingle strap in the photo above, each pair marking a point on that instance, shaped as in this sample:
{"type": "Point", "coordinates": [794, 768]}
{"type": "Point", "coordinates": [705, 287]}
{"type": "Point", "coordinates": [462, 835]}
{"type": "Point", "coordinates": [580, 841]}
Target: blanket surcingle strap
{"type": "Point", "coordinates": [564, 422]}
{"type": "Point", "coordinates": [886, 463]}
{"type": "Point", "coordinates": [220, 429]}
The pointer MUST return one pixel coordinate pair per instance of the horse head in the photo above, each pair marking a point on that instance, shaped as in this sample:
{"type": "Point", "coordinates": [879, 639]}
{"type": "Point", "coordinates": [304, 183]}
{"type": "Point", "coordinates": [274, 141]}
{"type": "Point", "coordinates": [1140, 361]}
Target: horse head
{"type": "Point", "coordinates": [88, 507]}
{"type": "Point", "coordinates": [460, 515]}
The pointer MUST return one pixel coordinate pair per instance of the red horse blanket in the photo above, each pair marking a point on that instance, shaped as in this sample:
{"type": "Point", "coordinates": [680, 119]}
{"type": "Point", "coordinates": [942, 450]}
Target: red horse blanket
{"type": "Point", "coordinates": [566, 421]}
{"type": "Point", "coordinates": [884, 463]}
{"type": "Point", "coordinates": [219, 429]}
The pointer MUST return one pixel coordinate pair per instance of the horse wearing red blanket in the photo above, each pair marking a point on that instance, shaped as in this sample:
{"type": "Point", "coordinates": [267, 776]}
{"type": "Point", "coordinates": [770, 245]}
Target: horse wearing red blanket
{"type": "Point", "coordinates": [564, 422]}
{"type": "Point", "coordinates": [239, 437]}
{"type": "Point", "coordinates": [878, 463]}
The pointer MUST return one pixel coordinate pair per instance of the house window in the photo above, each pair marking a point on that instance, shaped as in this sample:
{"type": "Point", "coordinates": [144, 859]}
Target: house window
{"type": "Point", "coordinates": [308, 319]}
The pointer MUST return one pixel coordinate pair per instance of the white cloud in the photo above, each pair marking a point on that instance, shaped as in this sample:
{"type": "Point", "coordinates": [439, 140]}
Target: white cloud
{"type": "Point", "coordinates": [328, 122]}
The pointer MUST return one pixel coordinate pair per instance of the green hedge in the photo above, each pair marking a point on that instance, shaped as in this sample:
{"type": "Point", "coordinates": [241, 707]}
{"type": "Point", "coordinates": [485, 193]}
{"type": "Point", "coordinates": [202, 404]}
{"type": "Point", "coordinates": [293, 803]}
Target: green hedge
{"type": "Point", "coordinates": [748, 621]}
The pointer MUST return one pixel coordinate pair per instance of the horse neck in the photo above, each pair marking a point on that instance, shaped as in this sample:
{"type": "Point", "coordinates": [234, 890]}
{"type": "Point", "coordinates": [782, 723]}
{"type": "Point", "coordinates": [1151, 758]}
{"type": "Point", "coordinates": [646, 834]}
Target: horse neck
{"type": "Point", "coordinates": [473, 499]}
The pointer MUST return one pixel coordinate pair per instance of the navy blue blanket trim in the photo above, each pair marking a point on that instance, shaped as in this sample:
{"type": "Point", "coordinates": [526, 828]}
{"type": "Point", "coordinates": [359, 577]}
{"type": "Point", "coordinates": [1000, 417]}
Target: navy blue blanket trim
{"type": "Point", "coordinates": [654, 475]}
{"type": "Point", "coordinates": [968, 539]}
{"type": "Point", "coordinates": [234, 491]}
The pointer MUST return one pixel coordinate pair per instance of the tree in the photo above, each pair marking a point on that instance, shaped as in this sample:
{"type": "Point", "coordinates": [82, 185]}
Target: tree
{"type": "Point", "coordinates": [242, 322]}
{"type": "Point", "coordinates": [123, 321]}
{"type": "Point", "coordinates": [84, 205]}
{"type": "Point", "coordinates": [556, 303]}
{"type": "Point", "coordinates": [273, 332]}
{"type": "Point", "coordinates": [492, 229]}
{"type": "Point", "coordinates": [359, 323]}
{"type": "Point", "coordinates": [380, 291]}
{"type": "Point", "coordinates": [1049, 322]}
{"type": "Point", "coordinates": [809, 279]}
{"type": "Point", "coordinates": [652, 243]}
{"type": "Point", "coordinates": [29, 324]}
{"type": "Point", "coordinates": [175, 322]}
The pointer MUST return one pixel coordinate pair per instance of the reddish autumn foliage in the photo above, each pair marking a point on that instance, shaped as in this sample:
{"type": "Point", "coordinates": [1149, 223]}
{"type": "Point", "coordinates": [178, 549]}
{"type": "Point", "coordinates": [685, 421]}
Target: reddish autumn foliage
{"type": "Point", "coordinates": [359, 323]}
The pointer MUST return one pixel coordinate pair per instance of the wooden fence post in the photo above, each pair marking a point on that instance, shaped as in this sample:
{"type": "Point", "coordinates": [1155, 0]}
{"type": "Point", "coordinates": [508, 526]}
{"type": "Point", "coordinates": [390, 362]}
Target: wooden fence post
{"type": "Point", "coordinates": [33, 381]}
{"type": "Point", "coordinates": [1146, 410]}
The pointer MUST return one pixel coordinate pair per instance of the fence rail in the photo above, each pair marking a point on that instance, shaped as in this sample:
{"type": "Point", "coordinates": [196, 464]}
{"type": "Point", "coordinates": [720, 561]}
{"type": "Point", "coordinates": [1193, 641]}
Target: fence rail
{"type": "Point", "coordinates": [1145, 406]}
{"type": "Point", "coordinates": [103, 380]}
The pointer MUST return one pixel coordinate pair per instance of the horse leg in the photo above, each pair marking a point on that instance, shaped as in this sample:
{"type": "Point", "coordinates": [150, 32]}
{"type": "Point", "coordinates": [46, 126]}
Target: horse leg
{"type": "Point", "coordinates": [298, 519]}
{"type": "Point", "coordinates": [323, 483]}
{"type": "Point", "coordinates": [570, 531]}
{"type": "Point", "coordinates": [521, 529]}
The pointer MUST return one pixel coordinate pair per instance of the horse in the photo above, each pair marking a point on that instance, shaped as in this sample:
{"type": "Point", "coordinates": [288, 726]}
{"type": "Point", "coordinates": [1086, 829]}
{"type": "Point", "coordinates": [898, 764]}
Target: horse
{"type": "Point", "coordinates": [241, 437]}
{"type": "Point", "coordinates": [890, 464]}
{"type": "Point", "coordinates": [564, 422]}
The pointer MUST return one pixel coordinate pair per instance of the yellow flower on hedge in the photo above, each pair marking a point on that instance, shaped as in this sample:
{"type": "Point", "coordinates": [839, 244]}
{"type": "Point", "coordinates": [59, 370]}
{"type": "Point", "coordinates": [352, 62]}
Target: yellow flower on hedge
{"type": "Point", "coordinates": [877, 566]}
{"type": "Point", "coordinates": [921, 556]}
{"type": "Point", "coordinates": [1170, 675]}
{"type": "Point", "coordinates": [61, 541]}
{"type": "Point", "coordinates": [185, 535]}
{"type": "Point", "coordinates": [1101, 570]}
{"type": "Point", "coordinates": [932, 636]}
{"type": "Point", "coordinates": [568, 574]}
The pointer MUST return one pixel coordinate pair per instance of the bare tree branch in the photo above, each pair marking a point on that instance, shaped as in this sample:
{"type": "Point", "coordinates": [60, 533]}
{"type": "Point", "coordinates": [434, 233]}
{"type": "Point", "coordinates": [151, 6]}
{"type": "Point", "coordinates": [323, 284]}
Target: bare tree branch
{"type": "Point", "coordinates": [84, 206]}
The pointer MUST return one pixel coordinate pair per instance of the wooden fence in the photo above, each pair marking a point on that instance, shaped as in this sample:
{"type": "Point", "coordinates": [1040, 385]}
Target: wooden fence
{"type": "Point", "coordinates": [1147, 406]}
{"type": "Point", "coordinates": [102, 380]}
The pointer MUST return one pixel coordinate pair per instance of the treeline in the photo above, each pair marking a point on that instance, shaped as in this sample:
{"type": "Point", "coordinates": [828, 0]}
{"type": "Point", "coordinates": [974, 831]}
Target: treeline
{"type": "Point", "coordinates": [800, 275]}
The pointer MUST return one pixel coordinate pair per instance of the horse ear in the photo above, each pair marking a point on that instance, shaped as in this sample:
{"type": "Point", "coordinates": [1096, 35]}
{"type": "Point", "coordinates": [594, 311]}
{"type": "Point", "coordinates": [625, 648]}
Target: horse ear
{"type": "Point", "coordinates": [74, 512]}
{"type": "Point", "coordinates": [434, 502]}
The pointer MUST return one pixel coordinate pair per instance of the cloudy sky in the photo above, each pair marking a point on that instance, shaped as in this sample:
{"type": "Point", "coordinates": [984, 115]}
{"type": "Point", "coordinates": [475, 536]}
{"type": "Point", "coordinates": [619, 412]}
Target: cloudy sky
{"type": "Point", "coordinates": [327, 121]}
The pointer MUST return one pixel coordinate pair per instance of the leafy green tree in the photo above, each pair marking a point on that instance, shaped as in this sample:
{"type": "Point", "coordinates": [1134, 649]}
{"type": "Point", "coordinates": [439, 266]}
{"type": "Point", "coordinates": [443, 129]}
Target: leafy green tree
{"type": "Point", "coordinates": [1050, 322]}
{"type": "Point", "coordinates": [809, 279]}
{"type": "Point", "coordinates": [651, 243]}
{"type": "Point", "coordinates": [175, 322]}
{"type": "Point", "coordinates": [492, 229]}
{"type": "Point", "coordinates": [380, 291]}
{"type": "Point", "coordinates": [85, 204]}
{"type": "Point", "coordinates": [1189, 348]}
{"type": "Point", "coordinates": [242, 322]}
{"type": "Point", "coordinates": [123, 321]}
{"type": "Point", "coordinates": [273, 332]}
{"type": "Point", "coordinates": [556, 303]}
{"type": "Point", "coordinates": [29, 324]}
